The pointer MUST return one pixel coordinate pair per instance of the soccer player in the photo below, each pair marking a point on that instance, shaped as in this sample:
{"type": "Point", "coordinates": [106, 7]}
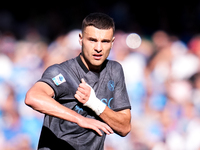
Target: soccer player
{"type": "Point", "coordinates": [83, 98]}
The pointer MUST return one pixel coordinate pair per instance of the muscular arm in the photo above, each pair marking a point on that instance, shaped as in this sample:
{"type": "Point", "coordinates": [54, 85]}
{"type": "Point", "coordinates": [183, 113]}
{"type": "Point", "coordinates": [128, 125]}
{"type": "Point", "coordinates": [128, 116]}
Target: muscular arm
{"type": "Point", "coordinates": [39, 97]}
{"type": "Point", "coordinates": [119, 121]}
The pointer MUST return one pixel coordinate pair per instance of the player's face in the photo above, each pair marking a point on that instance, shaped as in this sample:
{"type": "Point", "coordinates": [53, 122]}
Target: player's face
{"type": "Point", "coordinates": [96, 44]}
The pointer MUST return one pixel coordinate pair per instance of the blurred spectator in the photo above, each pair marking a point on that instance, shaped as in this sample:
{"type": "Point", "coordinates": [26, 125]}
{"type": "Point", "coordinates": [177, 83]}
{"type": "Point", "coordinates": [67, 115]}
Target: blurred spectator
{"type": "Point", "coordinates": [165, 99]}
{"type": "Point", "coordinates": [63, 48]}
{"type": "Point", "coordinates": [162, 77]}
{"type": "Point", "coordinates": [22, 63]}
{"type": "Point", "coordinates": [14, 135]}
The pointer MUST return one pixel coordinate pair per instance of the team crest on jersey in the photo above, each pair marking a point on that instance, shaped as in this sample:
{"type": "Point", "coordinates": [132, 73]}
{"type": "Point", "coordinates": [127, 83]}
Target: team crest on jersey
{"type": "Point", "coordinates": [59, 79]}
{"type": "Point", "coordinates": [111, 85]}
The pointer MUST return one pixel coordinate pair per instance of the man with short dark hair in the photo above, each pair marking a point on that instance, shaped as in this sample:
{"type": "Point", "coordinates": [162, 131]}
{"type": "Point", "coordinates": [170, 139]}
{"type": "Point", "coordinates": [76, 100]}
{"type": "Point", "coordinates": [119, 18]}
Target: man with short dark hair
{"type": "Point", "coordinates": [83, 98]}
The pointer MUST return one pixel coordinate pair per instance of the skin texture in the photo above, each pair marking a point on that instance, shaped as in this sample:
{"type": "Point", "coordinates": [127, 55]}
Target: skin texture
{"type": "Point", "coordinates": [96, 42]}
{"type": "Point", "coordinates": [96, 45]}
{"type": "Point", "coordinates": [39, 97]}
{"type": "Point", "coordinates": [118, 121]}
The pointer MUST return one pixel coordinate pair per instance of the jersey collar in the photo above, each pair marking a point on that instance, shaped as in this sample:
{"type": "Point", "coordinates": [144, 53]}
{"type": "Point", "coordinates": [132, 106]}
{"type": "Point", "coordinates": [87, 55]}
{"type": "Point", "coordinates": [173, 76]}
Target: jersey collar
{"type": "Point", "coordinates": [80, 62]}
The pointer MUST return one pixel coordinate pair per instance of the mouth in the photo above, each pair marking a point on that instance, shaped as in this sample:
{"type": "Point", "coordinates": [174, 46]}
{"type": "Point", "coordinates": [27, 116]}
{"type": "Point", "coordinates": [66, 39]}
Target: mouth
{"type": "Point", "coordinates": [97, 56]}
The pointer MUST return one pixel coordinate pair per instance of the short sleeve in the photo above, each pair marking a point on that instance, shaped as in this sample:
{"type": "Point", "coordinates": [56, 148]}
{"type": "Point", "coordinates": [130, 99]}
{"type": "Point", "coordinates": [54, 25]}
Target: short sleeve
{"type": "Point", "coordinates": [121, 99]}
{"type": "Point", "coordinates": [60, 81]}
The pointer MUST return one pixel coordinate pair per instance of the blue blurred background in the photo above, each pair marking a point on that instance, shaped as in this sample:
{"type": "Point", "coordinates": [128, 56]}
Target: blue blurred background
{"type": "Point", "coordinates": [162, 75]}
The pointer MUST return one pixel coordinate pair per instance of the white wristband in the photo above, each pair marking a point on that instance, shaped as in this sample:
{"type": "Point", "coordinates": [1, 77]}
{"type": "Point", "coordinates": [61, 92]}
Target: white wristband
{"type": "Point", "coordinates": [94, 103]}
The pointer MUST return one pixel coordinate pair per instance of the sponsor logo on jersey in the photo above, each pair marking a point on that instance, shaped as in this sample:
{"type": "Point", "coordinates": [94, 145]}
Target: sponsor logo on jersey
{"type": "Point", "coordinates": [59, 79]}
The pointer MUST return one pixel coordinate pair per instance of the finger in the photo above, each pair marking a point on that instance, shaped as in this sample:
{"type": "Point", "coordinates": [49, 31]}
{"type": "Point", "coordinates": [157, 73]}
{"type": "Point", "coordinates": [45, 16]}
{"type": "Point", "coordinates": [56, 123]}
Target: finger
{"type": "Point", "coordinates": [85, 87]}
{"type": "Point", "coordinates": [83, 81]}
{"type": "Point", "coordinates": [104, 127]}
{"type": "Point", "coordinates": [107, 129]}
{"type": "Point", "coordinates": [81, 95]}
{"type": "Point", "coordinates": [98, 131]}
{"type": "Point", "coordinates": [97, 126]}
{"type": "Point", "coordinates": [77, 97]}
{"type": "Point", "coordinates": [81, 90]}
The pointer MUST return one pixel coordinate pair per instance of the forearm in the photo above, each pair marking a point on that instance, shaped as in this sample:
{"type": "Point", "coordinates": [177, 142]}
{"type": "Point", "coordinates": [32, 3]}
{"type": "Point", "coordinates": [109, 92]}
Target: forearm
{"type": "Point", "coordinates": [118, 121]}
{"type": "Point", "coordinates": [39, 97]}
{"type": "Point", "coordinates": [47, 105]}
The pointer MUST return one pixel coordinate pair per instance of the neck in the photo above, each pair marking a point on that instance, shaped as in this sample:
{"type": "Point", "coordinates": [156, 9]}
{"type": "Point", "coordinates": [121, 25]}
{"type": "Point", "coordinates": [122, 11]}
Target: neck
{"type": "Point", "coordinates": [90, 67]}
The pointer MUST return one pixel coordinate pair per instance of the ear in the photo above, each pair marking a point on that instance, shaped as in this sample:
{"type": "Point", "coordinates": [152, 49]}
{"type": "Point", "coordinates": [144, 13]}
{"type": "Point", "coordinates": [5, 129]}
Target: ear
{"type": "Point", "coordinates": [113, 39]}
{"type": "Point", "coordinates": [80, 39]}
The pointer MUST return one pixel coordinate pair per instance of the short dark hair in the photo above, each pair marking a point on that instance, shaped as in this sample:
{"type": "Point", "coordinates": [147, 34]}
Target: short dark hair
{"type": "Point", "coordinates": [98, 20]}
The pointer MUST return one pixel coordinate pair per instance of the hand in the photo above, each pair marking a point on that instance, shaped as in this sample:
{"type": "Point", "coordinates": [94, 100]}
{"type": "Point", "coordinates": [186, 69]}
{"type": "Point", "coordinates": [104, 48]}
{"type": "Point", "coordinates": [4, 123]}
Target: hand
{"type": "Point", "coordinates": [86, 95]}
{"type": "Point", "coordinates": [95, 125]}
{"type": "Point", "coordinates": [83, 92]}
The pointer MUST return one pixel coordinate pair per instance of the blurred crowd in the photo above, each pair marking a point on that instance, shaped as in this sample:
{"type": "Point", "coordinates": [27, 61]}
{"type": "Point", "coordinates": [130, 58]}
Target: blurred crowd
{"type": "Point", "coordinates": [162, 78]}
{"type": "Point", "coordinates": [22, 63]}
{"type": "Point", "coordinates": [163, 82]}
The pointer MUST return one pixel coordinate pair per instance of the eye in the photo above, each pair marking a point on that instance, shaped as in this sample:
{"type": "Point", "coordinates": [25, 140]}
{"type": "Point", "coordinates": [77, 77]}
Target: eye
{"type": "Point", "coordinates": [92, 40]}
{"type": "Point", "coordinates": [106, 41]}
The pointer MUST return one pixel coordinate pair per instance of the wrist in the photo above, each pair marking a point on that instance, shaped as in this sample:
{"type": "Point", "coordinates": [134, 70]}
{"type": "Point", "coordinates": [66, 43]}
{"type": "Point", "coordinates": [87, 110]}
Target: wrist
{"type": "Point", "coordinates": [95, 104]}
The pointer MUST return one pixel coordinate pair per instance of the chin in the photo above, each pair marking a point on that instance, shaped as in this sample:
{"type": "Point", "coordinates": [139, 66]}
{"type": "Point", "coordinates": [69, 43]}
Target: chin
{"type": "Point", "coordinates": [98, 64]}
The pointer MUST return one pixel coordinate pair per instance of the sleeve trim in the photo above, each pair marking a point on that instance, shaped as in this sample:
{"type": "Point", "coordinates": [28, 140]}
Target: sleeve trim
{"type": "Point", "coordinates": [118, 109]}
{"type": "Point", "coordinates": [43, 80]}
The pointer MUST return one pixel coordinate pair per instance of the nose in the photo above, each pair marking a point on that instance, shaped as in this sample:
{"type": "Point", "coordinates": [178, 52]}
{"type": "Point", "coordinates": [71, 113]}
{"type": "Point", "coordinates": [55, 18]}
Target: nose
{"type": "Point", "coordinates": [98, 47]}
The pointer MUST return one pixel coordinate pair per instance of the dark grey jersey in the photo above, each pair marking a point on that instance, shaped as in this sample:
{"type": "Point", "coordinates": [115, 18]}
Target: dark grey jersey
{"type": "Point", "coordinates": [64, 78]}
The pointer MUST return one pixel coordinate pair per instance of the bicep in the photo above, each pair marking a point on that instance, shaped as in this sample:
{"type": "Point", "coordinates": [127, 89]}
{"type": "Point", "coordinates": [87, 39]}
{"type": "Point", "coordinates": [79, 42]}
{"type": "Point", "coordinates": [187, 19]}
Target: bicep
{"type": "Point", "coordinates": [126, 113]}
{"type": "Point", "coordinates": [122, 116]}
{"type": "Point", "coordinates": [38, 91]}
{"type": "Point", "coordinates": [42, 87]}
